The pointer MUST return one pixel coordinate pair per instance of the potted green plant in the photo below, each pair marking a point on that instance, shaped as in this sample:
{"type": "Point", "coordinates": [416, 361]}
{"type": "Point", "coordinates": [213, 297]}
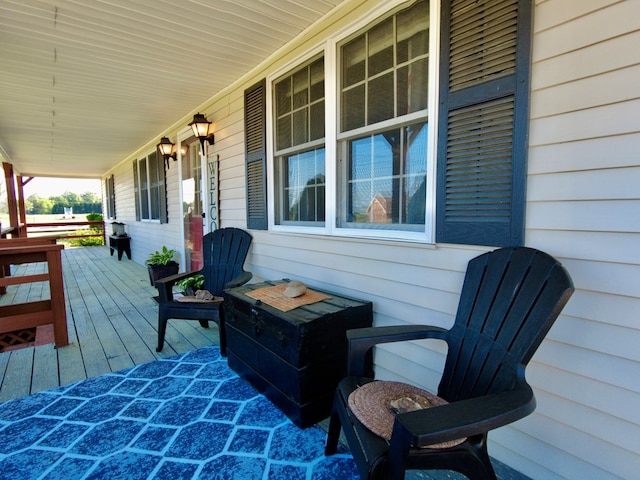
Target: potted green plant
{"type": "Point", "coordinates": [189, 286]}
{"type": "Point", "coordinates": [161, 264]}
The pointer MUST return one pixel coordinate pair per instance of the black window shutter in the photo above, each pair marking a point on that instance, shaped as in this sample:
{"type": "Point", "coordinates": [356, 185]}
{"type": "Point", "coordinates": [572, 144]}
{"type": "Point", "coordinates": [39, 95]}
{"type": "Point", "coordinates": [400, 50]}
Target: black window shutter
{"type": "Point", "coordinates": [483, 121]}
{"type": "Point", "coordinates": [136, 189]}
{"type": "Point", "coordinates": [111, 196]}
{"type": "Point", "coordinates": [255, 152]}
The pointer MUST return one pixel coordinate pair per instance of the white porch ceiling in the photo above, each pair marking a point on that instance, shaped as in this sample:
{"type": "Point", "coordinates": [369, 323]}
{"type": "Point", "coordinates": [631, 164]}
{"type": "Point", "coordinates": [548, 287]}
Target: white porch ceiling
{"type": "Point", "coordinates": [84, 83]}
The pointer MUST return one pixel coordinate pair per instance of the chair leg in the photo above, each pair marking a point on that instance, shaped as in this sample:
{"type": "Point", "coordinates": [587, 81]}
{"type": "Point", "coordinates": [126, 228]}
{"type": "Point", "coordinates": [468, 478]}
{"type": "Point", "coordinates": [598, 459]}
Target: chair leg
{"type": "Point", "coordinates": [162, 329]}
{"type": "Point", "coordinates": [333, 435]}
{"type": "Point", "coordinates": [478, 464]}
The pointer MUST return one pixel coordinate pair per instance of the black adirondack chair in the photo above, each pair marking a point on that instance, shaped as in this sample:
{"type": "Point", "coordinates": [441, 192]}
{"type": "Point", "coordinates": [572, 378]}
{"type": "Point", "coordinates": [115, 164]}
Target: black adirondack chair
{"type": "Point", "coordinates": [509, 301]}
{"type": "Point", "coordinates": [224, 252]}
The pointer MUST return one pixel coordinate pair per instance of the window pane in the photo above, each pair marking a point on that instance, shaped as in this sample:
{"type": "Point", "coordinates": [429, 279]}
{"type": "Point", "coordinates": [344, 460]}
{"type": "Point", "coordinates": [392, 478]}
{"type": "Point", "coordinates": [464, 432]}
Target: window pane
{"type": "Point", "coordinates": [387, 177]}
{"type": "Point", "coordinates": [381, 48]}
{"type": "Point", "coordinates": [369, 204]}
{"type": "Point", "coordinates": [415, 193]}
{"type": "Point", "coordinates": [415, 169]}
{"type": "Point", "coordinates": [361, 155]}
{"type": "Point", "coordinates": [317, 121]}
{"type": "Point", "coordinates": [316, 73]}
{"type": "Point", "coordinates": [300, 127]}
{"type": "Point", "coordinates": [380, 99]}
{"type": "Point", "coordinates": [353, 61]}
{"type": "Point", "coordinates": [155, 203]}
{"type": "Point", "coordinates": [413, 32]}
{"type": "Point", "coordinates": [415, 137]}
{"type": "Point", "coordinates": [301, 88]}
{"type": "Point", "coordinates": [283, 132]}
{"type": "Point", "coordinates": [304, 187]}
{"type": "Point", "coordinates": [412, 87]}
{"type": "Point", "coordinates": [283, 97]}
{"type": "Point", "coordinates": [353, 108]}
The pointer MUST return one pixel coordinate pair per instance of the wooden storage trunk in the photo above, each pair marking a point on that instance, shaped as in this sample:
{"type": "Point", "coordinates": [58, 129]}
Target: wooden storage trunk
{"type": "Point", "coordinates": [295, 358]}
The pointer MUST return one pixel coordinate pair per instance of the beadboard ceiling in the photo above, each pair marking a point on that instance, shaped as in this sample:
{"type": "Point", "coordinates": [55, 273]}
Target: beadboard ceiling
{"type": "Point", "coordinates": [84, 83]}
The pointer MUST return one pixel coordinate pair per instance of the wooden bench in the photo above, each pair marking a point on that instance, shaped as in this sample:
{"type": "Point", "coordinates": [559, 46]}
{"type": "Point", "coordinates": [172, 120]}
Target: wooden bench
{"type": "Point", "coordinates": [42, 312]}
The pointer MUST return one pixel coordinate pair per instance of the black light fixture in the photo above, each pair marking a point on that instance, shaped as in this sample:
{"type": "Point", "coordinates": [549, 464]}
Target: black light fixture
{"type": "Point", "coordinates": [200, 126]}
{"type": "Point", "coordinates": [166, 150]}
{"type": "Point", "coordinates": [169, 150]}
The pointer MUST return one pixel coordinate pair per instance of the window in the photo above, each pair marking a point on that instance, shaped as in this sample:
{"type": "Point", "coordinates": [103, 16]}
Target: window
{"type": "Point", "coordinates": [150, 190]}
{"type": "Point", "coordinates": [383, 111]}
{"type": "Point", "coordinates": [299, 118]}
{"type": "Point", "coordinates": [410, 147]}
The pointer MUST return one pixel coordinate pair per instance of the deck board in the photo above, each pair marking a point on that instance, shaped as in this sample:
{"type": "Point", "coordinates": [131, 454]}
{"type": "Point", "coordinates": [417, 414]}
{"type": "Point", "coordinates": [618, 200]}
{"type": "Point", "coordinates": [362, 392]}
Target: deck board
{"type": "Point", "coordinates": [112, 323]}
{"type": "Point", "coordinates": [17, 377]}
{"type": "Point", "coordinates": [45, 368]}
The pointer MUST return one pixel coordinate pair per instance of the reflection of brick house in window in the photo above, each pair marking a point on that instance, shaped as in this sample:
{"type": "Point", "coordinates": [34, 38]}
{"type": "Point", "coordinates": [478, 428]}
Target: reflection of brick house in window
{"type": "Point", "coordinates": [379, 209]}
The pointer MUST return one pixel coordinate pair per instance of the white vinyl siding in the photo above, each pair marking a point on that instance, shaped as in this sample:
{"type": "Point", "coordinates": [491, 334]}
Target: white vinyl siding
{"type": "Point", "coordinates": [583, 199]}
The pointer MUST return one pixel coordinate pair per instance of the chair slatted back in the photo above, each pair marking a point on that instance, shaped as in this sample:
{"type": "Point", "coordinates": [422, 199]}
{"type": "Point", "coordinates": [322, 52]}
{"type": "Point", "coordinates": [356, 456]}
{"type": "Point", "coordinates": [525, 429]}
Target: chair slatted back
{"type": "Point", "coordinates": [224, 252]}
{"type": "Point", "coordinates": [509, 301]}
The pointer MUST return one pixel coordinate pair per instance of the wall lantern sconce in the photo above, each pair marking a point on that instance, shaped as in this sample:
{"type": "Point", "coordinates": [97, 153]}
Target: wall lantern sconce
{"type": "Point", "coordinates": [169, 150]}
{"type": "Point", "coordinates": [200, 126]}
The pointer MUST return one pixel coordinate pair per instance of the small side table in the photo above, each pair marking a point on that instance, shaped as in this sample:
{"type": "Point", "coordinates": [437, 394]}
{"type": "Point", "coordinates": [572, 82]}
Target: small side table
{"type": "Point", "coordinates": [122, 244]}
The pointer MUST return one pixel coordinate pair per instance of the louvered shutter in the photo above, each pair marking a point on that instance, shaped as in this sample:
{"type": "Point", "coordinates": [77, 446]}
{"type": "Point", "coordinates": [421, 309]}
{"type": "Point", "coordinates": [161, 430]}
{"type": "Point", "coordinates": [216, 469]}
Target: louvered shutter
{"type": "Point", "coordinates": [111, 197]}
{"type": "Point", "coordinates": [255, 153]}
{"type": "Point", "coordinates": [482, 134]}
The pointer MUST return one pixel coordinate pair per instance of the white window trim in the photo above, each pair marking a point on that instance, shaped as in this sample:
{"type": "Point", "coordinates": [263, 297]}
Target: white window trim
{"type": "Point", "coordinates": [146, 220]}
{"type": "Point", "coordinates": [329, 49]}
{"type": "Point", "coordinates": [432, 137]}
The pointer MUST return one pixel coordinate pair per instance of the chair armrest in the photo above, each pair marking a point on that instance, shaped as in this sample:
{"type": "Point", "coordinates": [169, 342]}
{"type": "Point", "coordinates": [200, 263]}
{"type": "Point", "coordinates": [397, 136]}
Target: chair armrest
{"type": "Point", "coordinates": [238, 281]}
{"type": "Point", "coordinates": [165, 285]}
{"type": "Point", "coordinates": [464, 418]}
{"type": "Point", "coordinates": [362, 340]}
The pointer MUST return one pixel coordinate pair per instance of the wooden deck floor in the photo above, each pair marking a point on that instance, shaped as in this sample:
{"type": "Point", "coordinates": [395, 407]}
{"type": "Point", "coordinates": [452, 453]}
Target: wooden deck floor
{"type": "Point", "coordinates": [112, 322]}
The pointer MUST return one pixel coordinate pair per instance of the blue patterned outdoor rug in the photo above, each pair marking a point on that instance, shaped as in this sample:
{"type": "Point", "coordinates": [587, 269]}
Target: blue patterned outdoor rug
{"type": "Point", "coordinates": [181, 418]}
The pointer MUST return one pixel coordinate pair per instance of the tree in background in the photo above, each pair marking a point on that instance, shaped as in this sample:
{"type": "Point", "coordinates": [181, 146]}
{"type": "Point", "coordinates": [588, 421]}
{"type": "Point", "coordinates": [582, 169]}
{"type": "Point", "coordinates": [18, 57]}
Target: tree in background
{"type": "Point", "coordinates": [36, 205]}
{"type": "Point", "coordinates": [86, 203]}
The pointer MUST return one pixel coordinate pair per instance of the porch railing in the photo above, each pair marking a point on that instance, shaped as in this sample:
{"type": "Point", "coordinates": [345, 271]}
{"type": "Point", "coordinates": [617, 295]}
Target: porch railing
{"type": "Point", "coordinates": [67, 229]}
{"type": "Point", "coordinates": [32, 314]}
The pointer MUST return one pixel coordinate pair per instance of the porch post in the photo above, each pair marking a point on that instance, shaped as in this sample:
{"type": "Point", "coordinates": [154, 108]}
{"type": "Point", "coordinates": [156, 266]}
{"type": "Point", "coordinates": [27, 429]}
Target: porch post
{"type": "Point", "coordinates": [22, 211]}
{"type": "Point", "coordinates": [11, 198]}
